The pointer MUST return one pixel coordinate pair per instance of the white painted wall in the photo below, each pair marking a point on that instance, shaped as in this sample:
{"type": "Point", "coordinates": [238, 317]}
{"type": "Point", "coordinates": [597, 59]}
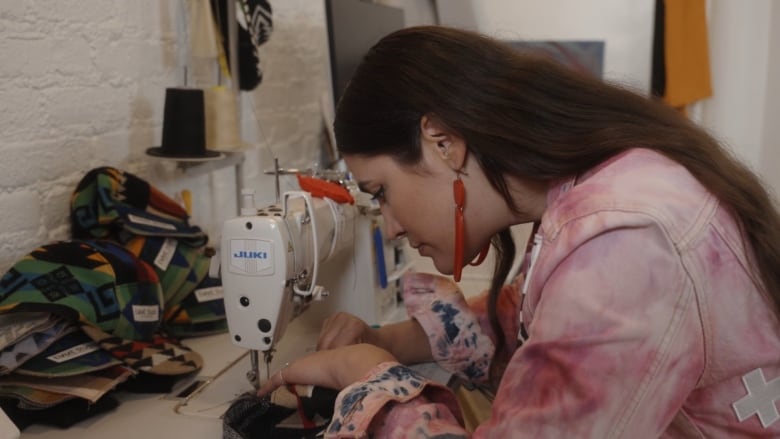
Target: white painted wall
{"type": "Point", "coordinates": [739, 37]}
{"type": "Point", "coordinates": [770, 152]}
{"type": "Point", "coordinates": [626, 27]}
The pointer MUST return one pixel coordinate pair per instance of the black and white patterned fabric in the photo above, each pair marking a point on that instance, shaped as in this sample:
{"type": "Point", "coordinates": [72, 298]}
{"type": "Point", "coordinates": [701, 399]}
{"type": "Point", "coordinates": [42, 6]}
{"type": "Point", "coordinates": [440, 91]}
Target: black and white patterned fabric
{"type": "Point", "coordinates": [254, 29]}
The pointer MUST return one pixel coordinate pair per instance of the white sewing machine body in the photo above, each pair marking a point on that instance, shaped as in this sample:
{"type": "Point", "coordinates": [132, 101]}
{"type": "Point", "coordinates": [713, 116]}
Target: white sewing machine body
{"type": "Point", "coordinates": [272, 270]}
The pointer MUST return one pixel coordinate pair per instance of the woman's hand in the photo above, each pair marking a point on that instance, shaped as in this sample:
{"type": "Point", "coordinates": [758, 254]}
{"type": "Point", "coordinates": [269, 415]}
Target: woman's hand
{"type": "Point", "coordinates": [342, 329]}
{"type": "Point", "coordinates": [405, 340]}
{"type": "Point", "coordinates": [332, 368]}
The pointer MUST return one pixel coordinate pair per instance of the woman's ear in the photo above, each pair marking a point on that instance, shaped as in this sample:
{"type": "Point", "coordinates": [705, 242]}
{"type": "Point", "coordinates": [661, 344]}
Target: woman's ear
{"type": "Point", "coordinates": [448, 145]}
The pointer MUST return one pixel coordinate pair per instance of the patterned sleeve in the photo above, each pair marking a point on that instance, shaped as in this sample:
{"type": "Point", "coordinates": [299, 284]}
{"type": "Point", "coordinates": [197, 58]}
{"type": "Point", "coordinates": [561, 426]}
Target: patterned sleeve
{"type": "Point", "coordinates": [393, 401]}
{"type": "Point", "coordinates": [458, 342]}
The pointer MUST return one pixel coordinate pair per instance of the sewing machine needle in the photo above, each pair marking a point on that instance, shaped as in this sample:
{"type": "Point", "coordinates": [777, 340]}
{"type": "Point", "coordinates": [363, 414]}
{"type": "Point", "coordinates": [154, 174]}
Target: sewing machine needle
{"type": "Point", "coordinates": [268, 356]}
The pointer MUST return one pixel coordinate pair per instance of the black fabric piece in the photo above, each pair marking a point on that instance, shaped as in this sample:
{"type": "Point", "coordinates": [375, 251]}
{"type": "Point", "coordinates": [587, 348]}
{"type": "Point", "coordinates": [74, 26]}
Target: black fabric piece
{"type": "Point", "coordinates": [658, 75]}
{"type": "Point", "coordinates": [321, 403]}
{"type": "Point", "coordinates": [137, 191]}
{"type": "Point", "coordinates": [69, 314]}
{"type": "Point", "coordinates": [251, 416]}
{"type": "Point", "coordinates": [63, 415]}
{"type": "Point", "coordinates": [145, 382]}
{"type": "Point", "coordinates": [259, 26]}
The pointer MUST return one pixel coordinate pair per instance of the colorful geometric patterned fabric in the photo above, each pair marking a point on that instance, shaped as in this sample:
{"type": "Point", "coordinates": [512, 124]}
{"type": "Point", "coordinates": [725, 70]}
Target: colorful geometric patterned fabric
{"type": "Point", "coordinates": [200, 313]}
{"type": "Point", "coordinates": [196, 274]}
{"type": "Point", "coordinates": [138, 291]}
{"type": "Point", "coordinates": [160, 356]}
{"type": "Point", "coordinates": [116, 297]}
{"type": "Point", "coordinates": [194, 303]}
{"type": "Point", "coordinates": [99, 283]}
{"type": "Point", "coordinates": [179, 267]}
{"type": "Point", "coordinates": [171, 261]}
{"type": "Point", "coordinates": [112, 204]}
{"type": "Point", "coordinates": [121, 207]}
{"type": "Point", "coordinates": [73, 354]}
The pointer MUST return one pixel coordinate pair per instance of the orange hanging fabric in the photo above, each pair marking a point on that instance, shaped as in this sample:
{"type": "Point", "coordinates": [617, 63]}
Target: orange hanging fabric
{"type": "Point", "coordinates": [686, 53]}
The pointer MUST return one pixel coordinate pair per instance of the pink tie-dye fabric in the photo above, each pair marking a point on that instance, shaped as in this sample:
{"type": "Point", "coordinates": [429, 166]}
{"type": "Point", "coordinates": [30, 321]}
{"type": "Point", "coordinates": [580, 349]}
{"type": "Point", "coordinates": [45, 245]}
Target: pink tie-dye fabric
{"type": "Point", "coordinates": [642, 321]}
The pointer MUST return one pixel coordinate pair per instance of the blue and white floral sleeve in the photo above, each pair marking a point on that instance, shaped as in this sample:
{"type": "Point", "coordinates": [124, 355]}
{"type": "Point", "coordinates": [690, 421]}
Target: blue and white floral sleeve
{"type": "Point", "coordinates": [458, 342]}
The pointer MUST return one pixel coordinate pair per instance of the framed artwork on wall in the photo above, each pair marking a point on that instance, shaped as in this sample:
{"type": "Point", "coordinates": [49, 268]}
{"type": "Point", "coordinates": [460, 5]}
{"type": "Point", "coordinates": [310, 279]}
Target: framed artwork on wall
{"type": "Point", "coordinates": [583, 56]}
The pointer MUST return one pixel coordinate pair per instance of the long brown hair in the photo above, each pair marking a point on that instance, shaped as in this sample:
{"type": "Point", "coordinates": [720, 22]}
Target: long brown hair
{"type": "Point", "coordinates": [531, 117]}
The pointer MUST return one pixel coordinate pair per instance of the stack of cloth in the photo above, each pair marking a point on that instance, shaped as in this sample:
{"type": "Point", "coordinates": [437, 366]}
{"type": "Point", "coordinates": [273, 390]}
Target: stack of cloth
{"type": "Point", "coordinates": [105, 310]}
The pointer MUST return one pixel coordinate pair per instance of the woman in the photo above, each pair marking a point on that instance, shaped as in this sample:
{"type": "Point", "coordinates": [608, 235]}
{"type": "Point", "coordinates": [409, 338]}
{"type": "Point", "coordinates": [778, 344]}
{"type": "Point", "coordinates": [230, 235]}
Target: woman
{"type": "Point", "coordinates": [649, 302]}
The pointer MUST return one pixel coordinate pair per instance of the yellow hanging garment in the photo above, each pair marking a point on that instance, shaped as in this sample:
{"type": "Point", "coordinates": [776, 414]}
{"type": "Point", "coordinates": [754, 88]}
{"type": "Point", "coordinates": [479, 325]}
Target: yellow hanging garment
{"type": "Point", "coordinates": [686, 52]}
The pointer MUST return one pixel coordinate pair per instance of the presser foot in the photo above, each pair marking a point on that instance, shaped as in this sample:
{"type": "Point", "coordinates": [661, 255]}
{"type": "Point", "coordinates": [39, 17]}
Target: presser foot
{"type": "Point", "coordinates": [253, 375]}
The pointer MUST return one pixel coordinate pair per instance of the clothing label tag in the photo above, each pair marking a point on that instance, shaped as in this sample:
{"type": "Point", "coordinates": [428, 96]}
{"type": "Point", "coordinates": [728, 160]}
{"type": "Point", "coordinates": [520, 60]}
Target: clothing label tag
{"type": "Point", "coordinates": [146, 313]}
{"type": "Point", "coordinates": [148, 222]}
{"type": "Point", "coordinates": [760, 399]}
{"type": "Point", "coordinates": [74, 352]}
{"type": "Point", "coordinates": [164, 256]}
{"type": "Point", "coordinates": [209, 294]}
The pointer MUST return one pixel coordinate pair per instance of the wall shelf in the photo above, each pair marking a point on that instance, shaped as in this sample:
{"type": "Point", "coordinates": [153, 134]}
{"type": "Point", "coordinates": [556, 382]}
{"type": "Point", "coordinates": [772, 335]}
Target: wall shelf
{"type": "Point", "coordinates": [193, 169]}
{"type": "Point", "coordinates": [234, 159]}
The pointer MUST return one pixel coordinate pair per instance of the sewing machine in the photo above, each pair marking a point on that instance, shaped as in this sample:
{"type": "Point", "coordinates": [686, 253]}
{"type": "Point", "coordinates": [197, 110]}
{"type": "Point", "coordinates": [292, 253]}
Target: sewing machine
{"type": "Point", "coordinates": [276, 299]}
{"type": "Point", "coordinates": [306, 255]}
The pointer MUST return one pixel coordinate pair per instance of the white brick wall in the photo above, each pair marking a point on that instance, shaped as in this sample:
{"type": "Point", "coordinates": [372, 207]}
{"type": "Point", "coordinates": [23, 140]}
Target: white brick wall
{"type": "Point", "coordinates": [83, 84]}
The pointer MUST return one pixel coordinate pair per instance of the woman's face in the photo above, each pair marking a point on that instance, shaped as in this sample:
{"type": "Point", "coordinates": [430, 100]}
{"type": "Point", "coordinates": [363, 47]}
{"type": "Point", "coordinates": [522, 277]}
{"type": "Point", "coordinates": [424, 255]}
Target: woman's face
{"type": "Point", "coordinates": [415, 201]}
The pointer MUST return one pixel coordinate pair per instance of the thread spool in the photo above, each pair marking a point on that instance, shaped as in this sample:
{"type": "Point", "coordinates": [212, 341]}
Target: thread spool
{"type": "Point", "coordinates": [222, 128]}
{"type": "Point", "coordinates": [203, 34]}
{"type": "Point", "coordinates": [183, 131]}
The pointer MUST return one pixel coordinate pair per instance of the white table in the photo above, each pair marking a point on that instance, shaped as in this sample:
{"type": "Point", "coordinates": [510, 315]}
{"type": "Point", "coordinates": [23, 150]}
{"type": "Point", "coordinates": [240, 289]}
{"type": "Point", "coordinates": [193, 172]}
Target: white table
{"type": "Point", "coordinates": [223, 377]}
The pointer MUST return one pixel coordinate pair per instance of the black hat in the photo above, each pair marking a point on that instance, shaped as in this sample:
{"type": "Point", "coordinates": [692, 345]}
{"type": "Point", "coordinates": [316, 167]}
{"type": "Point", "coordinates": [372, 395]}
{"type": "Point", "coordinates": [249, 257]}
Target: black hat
{"type": "Point", "coordinates": [184, 126]}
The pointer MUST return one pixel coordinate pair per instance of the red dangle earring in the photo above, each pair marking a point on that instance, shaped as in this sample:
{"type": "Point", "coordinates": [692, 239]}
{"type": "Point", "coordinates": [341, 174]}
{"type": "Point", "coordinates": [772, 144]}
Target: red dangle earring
{"type": "Point", "coordinates": [459, 193]}
{"type": "Point", "coordinates": [482, 255]}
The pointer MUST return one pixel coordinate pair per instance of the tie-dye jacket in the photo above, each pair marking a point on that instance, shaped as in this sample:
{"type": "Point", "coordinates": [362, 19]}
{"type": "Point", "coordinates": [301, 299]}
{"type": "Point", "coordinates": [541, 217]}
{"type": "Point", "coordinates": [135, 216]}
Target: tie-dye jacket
{"type": "Point", "coordinates": [638, 319]}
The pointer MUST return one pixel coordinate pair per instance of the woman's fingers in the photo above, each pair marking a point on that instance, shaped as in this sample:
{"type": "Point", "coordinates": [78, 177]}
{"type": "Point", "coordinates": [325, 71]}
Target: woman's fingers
{"type": "Point", "coordinates": [274, 382]}
{"type": "Point", "coordinates": [332, 368]}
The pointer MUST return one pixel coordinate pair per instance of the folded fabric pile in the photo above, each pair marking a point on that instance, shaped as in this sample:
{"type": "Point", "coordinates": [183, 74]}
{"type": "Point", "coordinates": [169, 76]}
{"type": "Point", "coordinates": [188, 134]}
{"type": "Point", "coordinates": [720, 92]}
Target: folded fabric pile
{"type": "Point", "coordinates": [105, 310]}
{"type": "Point", "coordinates": [120, 207]}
